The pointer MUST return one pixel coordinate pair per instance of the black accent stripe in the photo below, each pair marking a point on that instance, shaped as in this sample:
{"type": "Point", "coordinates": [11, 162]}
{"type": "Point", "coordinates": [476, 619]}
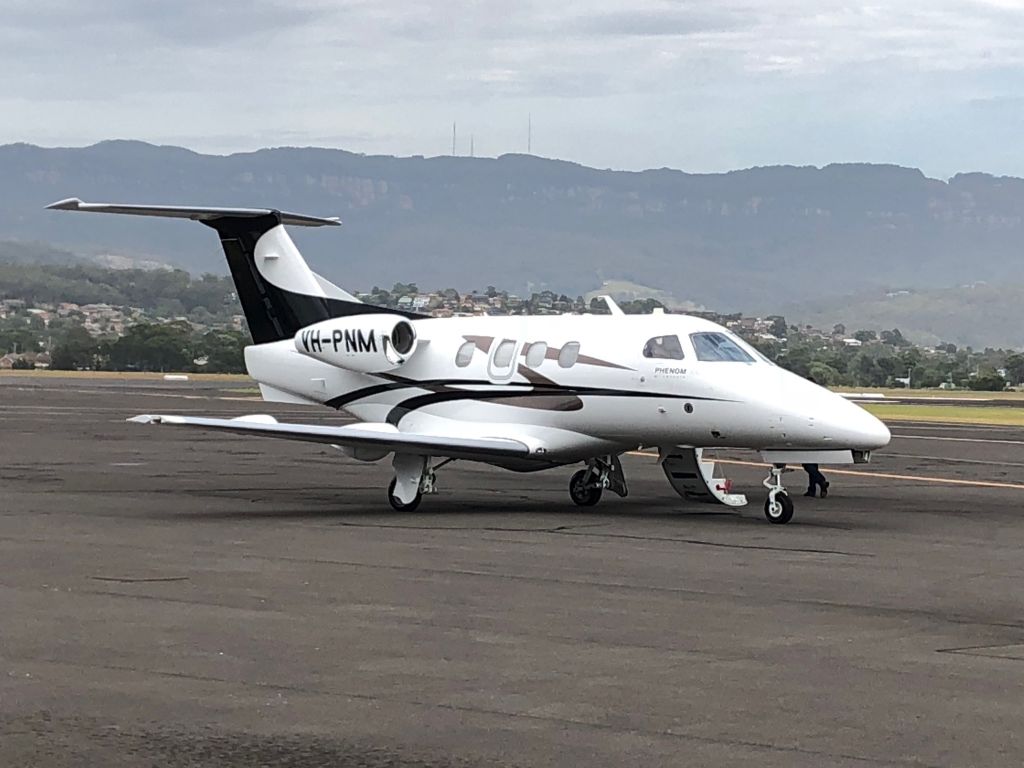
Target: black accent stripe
{"type": "Point", "coordinates": [684, 475]}
{"type": "Point", "coordinates": [342, 400]}
{"type": "Point", "coordinates": [608, 392]}
{"type": "Point", "coordinates": [551, 387]}
{"type": "Point", "coordinates": [406, 407]}
{"type": "Point", "coordinates": [396, 383]}
{"type": "Point", "coordinates": [399, 411]}
{"type": "Point", "coordinates": [440, 386]}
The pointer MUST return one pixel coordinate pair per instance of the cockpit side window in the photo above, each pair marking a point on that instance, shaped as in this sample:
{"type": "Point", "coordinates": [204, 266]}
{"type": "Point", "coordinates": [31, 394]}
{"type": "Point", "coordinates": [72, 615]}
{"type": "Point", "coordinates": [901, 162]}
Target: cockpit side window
{"type": "Point", "coordinates": [717, 347]}
{"type": "Point", "coordinates": [664, 348]}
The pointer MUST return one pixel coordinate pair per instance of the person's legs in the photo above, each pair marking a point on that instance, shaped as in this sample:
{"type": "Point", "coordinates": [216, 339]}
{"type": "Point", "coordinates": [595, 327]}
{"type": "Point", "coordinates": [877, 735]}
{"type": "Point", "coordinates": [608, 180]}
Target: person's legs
{"type": "Point", "coordinates": [820, 481]}
{"type": "Point", "coordinates": [812, 480]}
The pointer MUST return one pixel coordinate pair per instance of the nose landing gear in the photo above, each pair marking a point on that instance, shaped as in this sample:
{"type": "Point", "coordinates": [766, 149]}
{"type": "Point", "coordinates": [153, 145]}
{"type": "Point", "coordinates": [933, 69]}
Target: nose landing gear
{"type": "Point", "coordinates": [583, 491]}
{"type": "Point", "coordinates": [587, 485]}
{"type": "Point", "coordinates": [778, 507]}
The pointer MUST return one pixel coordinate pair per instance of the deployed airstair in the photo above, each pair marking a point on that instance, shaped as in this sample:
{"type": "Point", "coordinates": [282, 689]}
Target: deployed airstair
{"type": "Point", "coordinates": [693, 477]}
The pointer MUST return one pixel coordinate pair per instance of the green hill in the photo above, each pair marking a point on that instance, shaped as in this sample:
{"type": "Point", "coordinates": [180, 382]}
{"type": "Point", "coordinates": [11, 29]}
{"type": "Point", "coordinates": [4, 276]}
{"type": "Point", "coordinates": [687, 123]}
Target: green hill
{"type": "Point", "coordinates": [754, 240]}
{"type": "Point", "coordinates": [979, 315]}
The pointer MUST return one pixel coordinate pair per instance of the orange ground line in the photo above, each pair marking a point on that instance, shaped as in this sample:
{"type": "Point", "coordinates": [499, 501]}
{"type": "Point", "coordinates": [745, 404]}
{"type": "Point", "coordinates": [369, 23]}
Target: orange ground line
{"type": "Point", "coordinates": [881, 475]}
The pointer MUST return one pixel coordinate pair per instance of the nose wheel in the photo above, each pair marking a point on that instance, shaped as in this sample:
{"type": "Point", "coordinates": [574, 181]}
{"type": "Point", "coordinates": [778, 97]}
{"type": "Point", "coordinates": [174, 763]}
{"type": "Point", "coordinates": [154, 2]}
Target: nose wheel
{"type": "Point", "coordinates": [587, 486]}
{"type": "Point", "coordinates": [584, 491]}
{"type": "Point", "coordinates": [778, 507]}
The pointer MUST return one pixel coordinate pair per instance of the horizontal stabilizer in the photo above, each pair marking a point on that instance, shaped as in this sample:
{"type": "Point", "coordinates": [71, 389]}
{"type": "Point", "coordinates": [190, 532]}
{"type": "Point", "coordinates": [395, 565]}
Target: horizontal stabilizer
{"type": "Point", "coordinates": [196, 213]}
{"type": "Point", "coordinates": [381, 436]}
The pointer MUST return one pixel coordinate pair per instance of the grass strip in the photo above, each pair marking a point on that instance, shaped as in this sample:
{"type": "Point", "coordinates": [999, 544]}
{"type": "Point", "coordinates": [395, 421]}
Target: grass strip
{"type": "Point", "coordinates": [953, 414]}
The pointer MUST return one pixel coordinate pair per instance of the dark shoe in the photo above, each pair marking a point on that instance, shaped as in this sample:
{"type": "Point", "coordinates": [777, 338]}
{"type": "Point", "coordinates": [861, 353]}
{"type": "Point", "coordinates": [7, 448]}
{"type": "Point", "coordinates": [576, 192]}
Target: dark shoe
{"type": "Point", "coordinates": [811, 494]}
{"type": "Point", "coordinates": [824, 490]}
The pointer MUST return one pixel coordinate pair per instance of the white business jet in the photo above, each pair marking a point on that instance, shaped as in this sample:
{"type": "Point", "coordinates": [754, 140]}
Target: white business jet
{"type": "Point", "coordinates": [524, 393]}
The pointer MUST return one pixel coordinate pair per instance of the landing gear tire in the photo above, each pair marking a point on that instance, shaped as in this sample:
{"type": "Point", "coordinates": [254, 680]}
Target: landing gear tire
{"type": "Point", "coordinates": [780, 509]}
{"type": "Point", "coordinates": [399, 505]}
{"type": "Point", "coordinates": [583, 495]}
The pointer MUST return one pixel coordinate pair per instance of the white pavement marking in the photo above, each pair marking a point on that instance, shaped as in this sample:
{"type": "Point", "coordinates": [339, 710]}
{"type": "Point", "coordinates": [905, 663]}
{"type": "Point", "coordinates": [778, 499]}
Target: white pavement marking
{"type": "Point", "coordinates": [892, 476]}
{"type": "Point", "coordinates": [958, 439]}
{"type": "Point", "coordinates": [952, 426]}
{"type": "Point", "coordinates": [950, 460]}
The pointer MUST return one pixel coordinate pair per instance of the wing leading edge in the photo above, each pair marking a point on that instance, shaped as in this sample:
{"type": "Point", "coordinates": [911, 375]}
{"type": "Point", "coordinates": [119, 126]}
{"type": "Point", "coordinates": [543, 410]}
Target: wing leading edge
{"type": "Point", "coordinates": [389, 438]}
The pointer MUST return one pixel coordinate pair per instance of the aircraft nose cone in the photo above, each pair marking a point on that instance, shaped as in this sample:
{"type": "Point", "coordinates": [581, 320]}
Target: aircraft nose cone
{"type": "Point", "coordinates": [822, 418]}
{"type": "Point", "coordinates": [853, 427]}
{"type": "Point", "coordinates": [874, 433]}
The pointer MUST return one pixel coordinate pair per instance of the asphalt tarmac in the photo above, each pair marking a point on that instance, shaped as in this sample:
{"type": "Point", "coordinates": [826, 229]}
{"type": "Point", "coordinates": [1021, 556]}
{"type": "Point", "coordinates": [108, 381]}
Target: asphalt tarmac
{"type": "Point", "coordinates": [172, 598]}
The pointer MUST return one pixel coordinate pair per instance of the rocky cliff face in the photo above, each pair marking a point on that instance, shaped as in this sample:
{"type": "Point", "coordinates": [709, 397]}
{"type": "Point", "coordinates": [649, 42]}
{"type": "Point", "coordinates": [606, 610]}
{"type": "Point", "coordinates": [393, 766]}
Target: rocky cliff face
{"type": "Point", "coordinates": [752, 239]}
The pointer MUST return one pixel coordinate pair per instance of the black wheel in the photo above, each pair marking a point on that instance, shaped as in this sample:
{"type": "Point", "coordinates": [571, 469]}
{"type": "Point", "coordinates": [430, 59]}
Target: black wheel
{"type": "Point", "coordinates": [781, 512]}
{"type": "Point", "coordinates": [582, 494]}
{"type": "Point", "coordinates": [397, 503]}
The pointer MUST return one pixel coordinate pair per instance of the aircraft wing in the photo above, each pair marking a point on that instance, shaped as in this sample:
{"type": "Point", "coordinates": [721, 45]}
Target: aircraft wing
{"type": "Point", "coordinates": [383, 436]}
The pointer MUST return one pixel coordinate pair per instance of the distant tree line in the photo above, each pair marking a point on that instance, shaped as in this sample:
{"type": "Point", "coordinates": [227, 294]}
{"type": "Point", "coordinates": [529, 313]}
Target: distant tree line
{"type": "Point", "coordinates": [163, 292]}
{"type": "Point", "coordinates": [877, 359]}
{"type": "Point", "coordinates": [153, 347]}
{"type": "Point", "coordinates": [887, 359]}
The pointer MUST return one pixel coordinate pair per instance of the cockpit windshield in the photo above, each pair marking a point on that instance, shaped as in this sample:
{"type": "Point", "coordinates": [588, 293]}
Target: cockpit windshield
{"type": "Point", "coordinates": [717, 347]}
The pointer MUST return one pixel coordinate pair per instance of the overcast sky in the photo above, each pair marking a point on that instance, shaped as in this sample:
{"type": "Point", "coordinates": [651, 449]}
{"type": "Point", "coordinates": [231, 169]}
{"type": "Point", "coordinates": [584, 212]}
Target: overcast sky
{"type": "Point", "coordinates": [702, 86]}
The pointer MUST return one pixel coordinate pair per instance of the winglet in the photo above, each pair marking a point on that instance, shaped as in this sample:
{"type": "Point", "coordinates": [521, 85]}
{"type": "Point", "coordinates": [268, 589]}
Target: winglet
{"type": "Point", "coordinates": [149, 418]}
{"type": "Point", "coordinates": [70, 204]}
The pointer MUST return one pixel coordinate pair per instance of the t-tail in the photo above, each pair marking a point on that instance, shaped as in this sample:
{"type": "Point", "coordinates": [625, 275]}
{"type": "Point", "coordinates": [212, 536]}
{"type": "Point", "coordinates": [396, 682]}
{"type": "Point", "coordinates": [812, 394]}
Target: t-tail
{"type": "Point", "coordinates": [278, 291]}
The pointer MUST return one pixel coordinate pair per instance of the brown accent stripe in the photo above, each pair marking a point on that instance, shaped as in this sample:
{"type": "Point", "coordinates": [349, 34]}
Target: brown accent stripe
{"type": "Point", "coordinates": [483, 343]}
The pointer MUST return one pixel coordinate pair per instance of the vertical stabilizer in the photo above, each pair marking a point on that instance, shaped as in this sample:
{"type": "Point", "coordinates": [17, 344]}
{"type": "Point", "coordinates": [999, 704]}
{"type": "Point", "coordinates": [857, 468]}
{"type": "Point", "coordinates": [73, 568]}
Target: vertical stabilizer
{"type": "Point", "coordinates": [278, 291]}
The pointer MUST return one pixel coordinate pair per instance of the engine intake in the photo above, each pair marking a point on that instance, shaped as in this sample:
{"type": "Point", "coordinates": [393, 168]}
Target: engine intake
{"type": "Point", "coordinates": [363, 343]}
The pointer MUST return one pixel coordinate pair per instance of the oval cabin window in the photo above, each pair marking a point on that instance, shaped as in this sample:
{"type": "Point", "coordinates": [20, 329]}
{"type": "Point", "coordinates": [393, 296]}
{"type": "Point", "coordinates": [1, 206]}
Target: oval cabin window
{"type": "Point", "coordinates": [570, 352]}
{"type": "Point", "coordinates": [465, 354]}
{"type": "Point", "coordinates": [536, 353]}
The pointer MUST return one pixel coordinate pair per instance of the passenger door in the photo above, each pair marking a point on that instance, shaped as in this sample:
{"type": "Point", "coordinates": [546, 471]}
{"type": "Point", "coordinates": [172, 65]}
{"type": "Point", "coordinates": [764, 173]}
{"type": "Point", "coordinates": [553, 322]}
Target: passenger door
{"type": "Point", "coordinates": [502, 363]}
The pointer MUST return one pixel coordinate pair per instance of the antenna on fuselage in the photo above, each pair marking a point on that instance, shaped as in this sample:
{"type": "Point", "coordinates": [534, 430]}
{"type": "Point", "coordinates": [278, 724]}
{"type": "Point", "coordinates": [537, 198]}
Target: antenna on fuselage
{"type": "Point", "coordinates": [613, 308]}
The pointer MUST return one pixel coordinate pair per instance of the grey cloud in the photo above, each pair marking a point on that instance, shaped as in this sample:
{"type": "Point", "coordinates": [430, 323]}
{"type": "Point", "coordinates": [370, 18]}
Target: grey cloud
{"type": "Point", "coordinates": [682, 20]}
{"type": "Point", "coordinates": [127, 24]}
{"type": "Point", "coordinates": [622, 82]}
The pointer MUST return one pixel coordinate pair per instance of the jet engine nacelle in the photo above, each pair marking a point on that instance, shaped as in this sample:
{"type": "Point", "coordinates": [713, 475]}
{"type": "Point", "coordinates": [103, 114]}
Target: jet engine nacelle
{"type": "Point", "coordinates": [363, 343]}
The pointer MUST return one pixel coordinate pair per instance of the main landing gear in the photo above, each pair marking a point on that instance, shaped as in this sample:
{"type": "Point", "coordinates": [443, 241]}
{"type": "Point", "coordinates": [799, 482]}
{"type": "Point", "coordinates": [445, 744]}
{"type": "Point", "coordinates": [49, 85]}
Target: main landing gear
{"type": "Point", "coordinates": [399, 505]}
{"type": "Point", "coordinates": [778, 507]}
{"type": "Point", "coordinates": [587, 486]}
{"type": "Point", "coordinates": [413, 478]}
